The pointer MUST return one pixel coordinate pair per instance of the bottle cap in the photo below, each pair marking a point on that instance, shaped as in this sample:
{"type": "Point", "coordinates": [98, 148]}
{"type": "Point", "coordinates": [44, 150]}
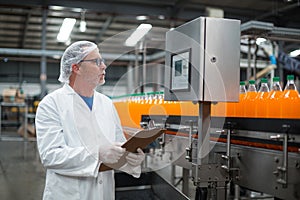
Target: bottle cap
{"type": "Point", "coordinates": [251, 81]}
{"type": "Point", "coordinates": [290, 77]}
{"type": "Point", "coordinates": [276, 79]}
{"type": "Point", "coordinates": [264, 80]}
{"type": "Point", "coordinates": [242, 83]}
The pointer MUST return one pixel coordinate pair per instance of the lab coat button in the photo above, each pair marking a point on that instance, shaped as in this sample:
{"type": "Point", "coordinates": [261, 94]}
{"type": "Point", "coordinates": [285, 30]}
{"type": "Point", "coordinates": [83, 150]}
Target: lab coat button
{"type": "Point", "coordinates": [100, 181]}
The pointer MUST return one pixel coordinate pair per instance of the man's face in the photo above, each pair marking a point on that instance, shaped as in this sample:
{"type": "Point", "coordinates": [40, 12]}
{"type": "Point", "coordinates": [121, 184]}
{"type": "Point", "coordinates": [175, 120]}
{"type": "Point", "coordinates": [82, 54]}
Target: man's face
{"type": "Point", "coordinates": [91, 72]}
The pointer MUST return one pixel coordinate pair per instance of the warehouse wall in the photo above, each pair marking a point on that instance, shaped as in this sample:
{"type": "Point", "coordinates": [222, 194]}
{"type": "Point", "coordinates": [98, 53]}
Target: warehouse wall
{"type": "Point", "coordinates": [13, 73]}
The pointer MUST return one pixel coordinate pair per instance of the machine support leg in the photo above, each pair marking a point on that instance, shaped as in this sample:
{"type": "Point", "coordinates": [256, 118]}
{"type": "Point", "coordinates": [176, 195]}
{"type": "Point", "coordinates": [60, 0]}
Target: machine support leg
{"type": "Point", "coordinates": [201, 193]}
{"type": "Point", "coordinates": [236, 192]}
{"type": "Point", "coordinates": [185, 181]}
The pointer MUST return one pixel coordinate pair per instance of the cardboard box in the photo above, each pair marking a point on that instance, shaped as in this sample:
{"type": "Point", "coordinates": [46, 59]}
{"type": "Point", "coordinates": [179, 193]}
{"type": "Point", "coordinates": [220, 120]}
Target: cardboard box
{"type": "Point", "coordinates": [13, 95]}
{"type": "Point", "coordinates": [9, 95]}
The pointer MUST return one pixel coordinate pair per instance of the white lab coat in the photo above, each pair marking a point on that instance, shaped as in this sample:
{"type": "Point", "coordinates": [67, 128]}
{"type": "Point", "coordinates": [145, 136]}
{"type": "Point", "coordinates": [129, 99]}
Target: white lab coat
{"type": "Point", "coordinates": [68, 137]}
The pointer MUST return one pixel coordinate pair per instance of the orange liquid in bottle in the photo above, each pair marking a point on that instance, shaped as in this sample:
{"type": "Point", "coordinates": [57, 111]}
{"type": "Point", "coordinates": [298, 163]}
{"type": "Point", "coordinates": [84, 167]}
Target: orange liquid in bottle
{"type": "Point", "coordinates": [250, 104]}
{"type": "Point", "coordinates": [134, 113]}
{"type": "Point", "coordinates": [218, 109]}
{"type": "Point", "coordinates": [240, 106]}
{"type": "Point", "coordinates": [290, 106]}
{"type": "Point", "coordinates": [261, 104]}
{"type": "Point", "coordinates": [187, 108]}
{"type": "Point", "coordinates": [231, 109]}
{"type": "Point", "coordinates": [274, 104]}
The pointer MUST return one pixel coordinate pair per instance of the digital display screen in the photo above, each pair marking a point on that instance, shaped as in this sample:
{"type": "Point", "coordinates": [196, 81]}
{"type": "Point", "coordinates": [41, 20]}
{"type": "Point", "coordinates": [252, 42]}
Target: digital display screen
{"type": "Point", "coordinates": [180, 71]}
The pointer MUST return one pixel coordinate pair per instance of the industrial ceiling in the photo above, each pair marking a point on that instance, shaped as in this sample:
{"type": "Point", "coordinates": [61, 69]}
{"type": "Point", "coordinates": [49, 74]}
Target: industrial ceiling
{"type": "Point", "coordinates": [110, 22]}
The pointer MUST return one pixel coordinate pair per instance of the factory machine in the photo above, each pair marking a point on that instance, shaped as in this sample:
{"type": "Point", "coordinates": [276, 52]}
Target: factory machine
{"type": "Point", "coordinates": [257, 154]}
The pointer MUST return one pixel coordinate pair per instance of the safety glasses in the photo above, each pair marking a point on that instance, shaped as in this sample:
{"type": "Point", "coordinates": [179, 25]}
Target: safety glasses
{"type": "Point", "coordinates": [98, 61]}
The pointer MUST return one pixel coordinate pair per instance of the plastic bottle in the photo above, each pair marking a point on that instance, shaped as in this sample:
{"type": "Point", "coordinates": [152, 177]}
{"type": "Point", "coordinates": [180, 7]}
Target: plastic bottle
{"type": "Point", "coordinates": [262, 98]}
{"type": "Point", "coordinates": [290, 101]}
{"type": "Point", "coordinates": [250, 100]}
{"type": "Point", "coordinates": [274, 100]}
{"type": "Point", "coordinates": [134, 115]}
{"type": "Point", "coordinates": [230, 109]}
{"type": "Point", "coordinates": [240, 106]}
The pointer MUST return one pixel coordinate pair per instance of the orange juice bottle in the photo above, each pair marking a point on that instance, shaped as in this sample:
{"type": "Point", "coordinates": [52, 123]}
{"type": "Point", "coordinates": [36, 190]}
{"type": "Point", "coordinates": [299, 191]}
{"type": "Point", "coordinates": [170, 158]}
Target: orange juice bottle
{"type": "Point", "coordinates": [240, 106]}
{"type": "Point", "coordinates": [134, 115]}
{"type": "Point", "coordinates": [233, 109]}
{"type": "Point", "coordinates": [218, 109]}
{"type": "Point", "coordinates": [157, 106]}
{"type": "Point", "coordinates": [142, 106]}
{"type": "Point", "coordinates": [261, 99]}
{"type": "Point", "coordinates": [230, 109]}
{"type": "Point", "coordinates": [250, 100]}
{"type": "Point", "coordinates": [274, 100]}
{"type": "Point", "coordinates": [290, 100]}
{"type": "Point", "coordinates": [189, 108]}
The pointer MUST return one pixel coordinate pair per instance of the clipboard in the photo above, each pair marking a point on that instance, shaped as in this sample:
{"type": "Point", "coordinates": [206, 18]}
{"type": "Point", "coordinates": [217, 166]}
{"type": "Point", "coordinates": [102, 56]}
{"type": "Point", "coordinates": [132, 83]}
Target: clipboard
{"type": "Point", "coordinates": [140, 139]}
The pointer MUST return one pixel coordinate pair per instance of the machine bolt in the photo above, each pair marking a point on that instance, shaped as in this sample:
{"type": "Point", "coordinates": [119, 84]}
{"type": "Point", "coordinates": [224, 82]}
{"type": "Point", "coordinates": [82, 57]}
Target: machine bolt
{"type": "Point", "coordinates": [213, 59]}
{"type": "Point", "coordinates": [276, 173]}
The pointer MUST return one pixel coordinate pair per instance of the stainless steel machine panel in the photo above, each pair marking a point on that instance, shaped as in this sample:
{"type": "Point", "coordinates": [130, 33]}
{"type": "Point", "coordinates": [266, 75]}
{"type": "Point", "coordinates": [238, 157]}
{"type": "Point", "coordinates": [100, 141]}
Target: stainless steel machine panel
{"type": "Point", "coordinates": [202, 60]}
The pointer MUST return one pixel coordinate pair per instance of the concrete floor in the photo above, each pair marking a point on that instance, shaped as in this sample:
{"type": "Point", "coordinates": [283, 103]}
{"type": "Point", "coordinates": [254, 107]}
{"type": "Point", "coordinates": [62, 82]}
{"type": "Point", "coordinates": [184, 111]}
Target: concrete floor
{"type": "Point", "coordinates": [22, 177]}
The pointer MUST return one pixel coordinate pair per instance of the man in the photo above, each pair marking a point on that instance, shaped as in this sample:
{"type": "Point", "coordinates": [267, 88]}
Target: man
{"type": "Point", "coordinates": [78, 130]}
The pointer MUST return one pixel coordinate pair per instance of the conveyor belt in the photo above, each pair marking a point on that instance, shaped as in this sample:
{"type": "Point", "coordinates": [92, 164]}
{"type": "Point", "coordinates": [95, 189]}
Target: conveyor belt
{"type": "Point", "coordinates": [292, 126]}
{"type": "Point", "coordinates": [249, 124]}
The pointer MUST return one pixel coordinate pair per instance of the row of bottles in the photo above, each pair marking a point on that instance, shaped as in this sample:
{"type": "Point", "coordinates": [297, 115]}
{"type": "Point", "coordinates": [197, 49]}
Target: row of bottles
{"type": "Point", "coordinates": [131, 108]}
{"type": "Point", "coordinates": [265, 102]}
{"type": "Point", "coordinates": [262, 103]}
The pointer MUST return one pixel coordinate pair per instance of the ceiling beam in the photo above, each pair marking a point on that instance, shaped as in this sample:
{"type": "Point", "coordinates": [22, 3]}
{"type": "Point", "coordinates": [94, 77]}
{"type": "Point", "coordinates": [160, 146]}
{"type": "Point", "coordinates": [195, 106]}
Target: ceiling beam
{"type": "Point", "coordinates": [104, 28]}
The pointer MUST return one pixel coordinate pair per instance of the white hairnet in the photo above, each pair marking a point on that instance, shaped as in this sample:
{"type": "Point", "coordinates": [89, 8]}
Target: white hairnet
{"type": "Point", "coordinates": [73, 55]}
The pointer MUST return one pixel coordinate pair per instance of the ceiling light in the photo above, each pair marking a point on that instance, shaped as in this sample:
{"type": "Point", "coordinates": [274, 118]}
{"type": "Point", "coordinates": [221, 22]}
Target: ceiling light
{"type": "Point", "coordinates": [56, 7]}
{"type": "Point", "coordinates": [66, 29]}
{"type": "Point", "coordinates": [82, 22]}
{"type": "Point", "coordinates": [141, 17]}
{"type": "Point", "coordinates": [161, 17]}
{"type": "Point", "coordinates": [138, 34]}
{"type": "Point", "coordinates": [260, 40]}
{"type": "Point", "coordinates": [295, 53]}
{"type": "Point", "coordinates": [82, 26]}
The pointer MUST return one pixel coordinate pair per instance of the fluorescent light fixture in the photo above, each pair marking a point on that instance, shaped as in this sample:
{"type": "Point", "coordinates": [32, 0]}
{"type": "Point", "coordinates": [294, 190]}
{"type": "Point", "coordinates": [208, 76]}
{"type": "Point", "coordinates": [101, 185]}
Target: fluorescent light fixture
{"type": "Point", "coordinates": [295, 53]}
{"type": "Point", "coordinates": [141, 17]}
{"type": "Point", "coordinates": [82, 26]}
{"type": "Point", "coordinates": [138, 34]}
{"type": "Point", "coordinates": [260, 40]}
{"type": "Point", "coordinates": [66, 29]}
{"type": "Point", "coordinates": [161, 17]}
{"type": "Point", "coordinates": [56, 7]}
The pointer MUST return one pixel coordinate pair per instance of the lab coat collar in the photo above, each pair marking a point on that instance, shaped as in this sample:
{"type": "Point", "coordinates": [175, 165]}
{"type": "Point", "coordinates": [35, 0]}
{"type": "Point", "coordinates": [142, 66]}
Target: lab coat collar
{"type": "Point", "coordinates": [68, 89]}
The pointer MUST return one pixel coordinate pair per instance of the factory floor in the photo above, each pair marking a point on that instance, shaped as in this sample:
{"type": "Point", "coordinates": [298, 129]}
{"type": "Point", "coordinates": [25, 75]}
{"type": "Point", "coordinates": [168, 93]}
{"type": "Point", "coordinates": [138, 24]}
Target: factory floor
{"type": "Point", "coordinates": [21, 173]}
{"type": "Point", "coordinates": [22, 176]}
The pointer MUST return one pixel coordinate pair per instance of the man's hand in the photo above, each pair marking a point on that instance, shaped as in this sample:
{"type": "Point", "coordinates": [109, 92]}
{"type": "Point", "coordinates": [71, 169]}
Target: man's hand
{"type": "Point", "coordinates": [135, 159]}
{"type": "Point", "coordinates": [111, 153]}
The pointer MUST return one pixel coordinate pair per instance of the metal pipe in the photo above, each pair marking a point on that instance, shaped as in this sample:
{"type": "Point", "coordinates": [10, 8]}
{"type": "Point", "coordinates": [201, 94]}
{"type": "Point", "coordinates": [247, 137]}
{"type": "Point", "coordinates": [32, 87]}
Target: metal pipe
{"type": "Point", "coordinates": [285, 159]}
{"type": "Point", "coordinates": [53, 53]}
{"type": "Point", "coordinates": [249, 60]}
{"type": "Point", "coordinates": [43, 68]}
{"type": "Point", "coordinates": [228, 153]}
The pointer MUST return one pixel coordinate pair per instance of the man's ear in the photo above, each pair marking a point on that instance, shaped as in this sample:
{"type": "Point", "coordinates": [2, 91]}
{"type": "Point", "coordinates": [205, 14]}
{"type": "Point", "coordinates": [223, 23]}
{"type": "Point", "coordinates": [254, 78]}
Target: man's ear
{"type": "Point", "coordinates": [75, 68]}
